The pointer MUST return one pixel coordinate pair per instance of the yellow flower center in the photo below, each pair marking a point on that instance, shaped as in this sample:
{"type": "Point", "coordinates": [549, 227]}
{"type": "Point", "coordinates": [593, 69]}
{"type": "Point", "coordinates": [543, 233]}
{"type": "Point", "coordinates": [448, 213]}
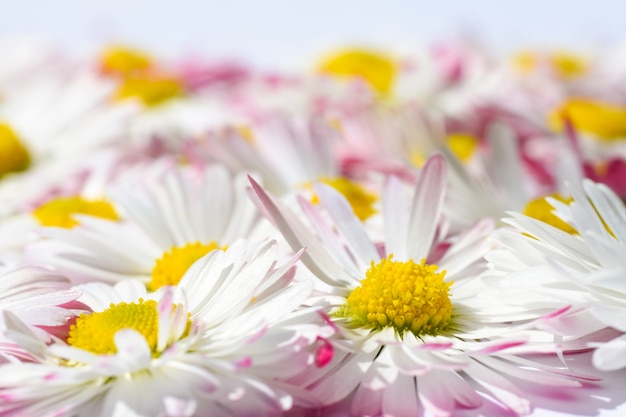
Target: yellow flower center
{"type": "Point", "coordinates": [540, 209]}
{"type": "Point", "coordinates": [14, 157]}
{"type": "Point", "coordinates": [95, 332]}
{"type": "Point", "coordinates": [565, 64]}
{"type": "Point", "coordinates": [417, 159]}
{"type": "Point", "coordinates": [568, 65]}
{"type": "Point", "coordinates": [59, 212]}
{"type": "Point", "coordinates": [462, 145]}
{"type": "Point", "coordinates": [150, 89]}
{"type": "Point", "coordinates": [408, 296]}
{"type": "Point", "coordinates": [170, 268]}
{"type": "Point", "coordinates": [602, 120]}
{"type": "Point", "coordinates": [361, 200]}
{"type": "Point", "coordinates": [123, 61]}
{"type": "Point", "coordinates": [376, 68]}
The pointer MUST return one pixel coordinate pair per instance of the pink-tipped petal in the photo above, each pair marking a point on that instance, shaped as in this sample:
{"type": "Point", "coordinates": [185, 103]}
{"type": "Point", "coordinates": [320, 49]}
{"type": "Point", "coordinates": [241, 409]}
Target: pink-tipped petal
{"type": "Point", "coordinates": [426, 208]}
{"type": "Point", "coordinates": [324, 352]}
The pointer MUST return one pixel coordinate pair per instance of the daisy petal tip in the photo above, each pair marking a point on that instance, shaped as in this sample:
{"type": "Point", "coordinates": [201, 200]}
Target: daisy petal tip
{"type": "Point", "coordinates": [327, 320]}
{"type": "Point", "coordinates": [436, 346]}
{"type": "Point", "coordinates": [558, 313]}
{"type": "Point", "coordinates": [324, 352]}
{"type": "Point", "coordinates": [179, 406]}
{"type": "Point", "coordinates": [244, 363]}
{"type": "Point", "coordinates": [610, 356]}
{"type": "Point", "coordinates": [502, 346]}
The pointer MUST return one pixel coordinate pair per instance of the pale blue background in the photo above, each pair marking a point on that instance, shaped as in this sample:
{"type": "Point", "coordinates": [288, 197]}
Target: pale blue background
{"type": "Point", "coordinates": [284, 32]}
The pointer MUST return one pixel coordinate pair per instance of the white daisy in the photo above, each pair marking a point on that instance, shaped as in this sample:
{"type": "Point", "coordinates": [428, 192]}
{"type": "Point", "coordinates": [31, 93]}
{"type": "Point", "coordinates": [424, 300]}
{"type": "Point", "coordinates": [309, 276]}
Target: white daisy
{"type": "Point", "coordinates": [396, 349]}
{"type": "Point", "coordinates": [80, 193]}
{"type": "Point", "coordinates": [289, 154]}
{"type": "Point", "coordinates": [51, 128]}
{"type": "Point", "coordinates": [170, 217]}
{"type": "Point", "coordinates": [584, 268]}
{"type": "Point", "coordinates": [218, 344]}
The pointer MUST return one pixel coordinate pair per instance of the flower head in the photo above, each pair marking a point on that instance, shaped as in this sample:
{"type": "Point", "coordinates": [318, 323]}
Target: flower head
{"type": "Point", "coordinates": [411, 312]}
{"type": "Point", "coordinates": [582, 269]}
{"type": "Point", "coordinates": [166, 218]}
{"type": "Point", "coordinates": [219, 343]}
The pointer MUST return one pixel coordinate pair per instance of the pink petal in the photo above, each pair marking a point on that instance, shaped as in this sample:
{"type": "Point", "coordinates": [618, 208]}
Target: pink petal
{"type": "Point", "coordinates": [324, 352]}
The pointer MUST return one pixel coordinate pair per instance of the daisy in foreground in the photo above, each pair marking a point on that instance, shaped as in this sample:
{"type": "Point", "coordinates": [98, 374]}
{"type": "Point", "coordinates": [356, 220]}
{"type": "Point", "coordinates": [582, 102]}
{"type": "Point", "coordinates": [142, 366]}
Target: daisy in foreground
{"type": "Point", "coordinates": [581, 267]}
{"type": "Point", "coordinates": [217, 349]}
{"type": "Point", "coordinates": [411, 315]}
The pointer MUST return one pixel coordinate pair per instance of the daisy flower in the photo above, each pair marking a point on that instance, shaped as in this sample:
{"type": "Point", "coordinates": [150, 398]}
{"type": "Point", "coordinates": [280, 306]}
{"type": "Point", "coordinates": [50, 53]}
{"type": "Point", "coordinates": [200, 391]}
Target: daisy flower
{"type": "Point", "coordinates": [410, 312]}
{"type": "Point", "coordinates": [53, 127]}
{"type": "Point", "coordinates": [167, 217]}
{"type": "Point", "coordinates": [82, 192]}
{"type": "Point", "coordinates": [285, 152]}
{"type": "Point", "coordinates": [582, 269]}
{"type": "Point", "coordinates": [289, 154]}
{"type": "Point", "coordinates": [218, 344]}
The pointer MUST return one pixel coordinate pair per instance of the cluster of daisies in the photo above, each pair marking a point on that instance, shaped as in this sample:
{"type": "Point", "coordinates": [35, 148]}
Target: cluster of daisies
{"type": "Point", "coordinates": [398, 234]}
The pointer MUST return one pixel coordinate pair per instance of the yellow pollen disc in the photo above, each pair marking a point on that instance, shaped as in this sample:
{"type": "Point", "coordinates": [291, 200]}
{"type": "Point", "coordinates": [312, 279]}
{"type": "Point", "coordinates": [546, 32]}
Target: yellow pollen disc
{"type": "Point", "coordinates": [603, 120]}
{"type": "Point", "coordinates": [376, 68]}
{"type": "Point", "coordinates": [462, 145]}
{"type": "Point", "coordinates": [59, 212]}
{"type": "Point", "coordinates": [361, 200]}
{"type": "Point", "coordinates": [540, 209]}
{"type": "Point", "coordinates": [14, 156]}
{"type": "Point", "coordinates": [150, 89]}
{"type": "Point", "coordinates": [123, 61]}
{"type": "Point", "coordinates": [408, 296]}
{"type": "Point", "coordinates": [170, 268]}
{"type": "Point", "coordinates": [95, 332]}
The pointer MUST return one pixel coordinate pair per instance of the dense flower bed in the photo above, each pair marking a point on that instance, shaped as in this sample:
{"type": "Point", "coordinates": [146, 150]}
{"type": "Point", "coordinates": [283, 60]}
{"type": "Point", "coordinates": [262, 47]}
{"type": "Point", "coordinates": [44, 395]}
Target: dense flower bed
{"type": "Point", "coordinates": [392, 234]}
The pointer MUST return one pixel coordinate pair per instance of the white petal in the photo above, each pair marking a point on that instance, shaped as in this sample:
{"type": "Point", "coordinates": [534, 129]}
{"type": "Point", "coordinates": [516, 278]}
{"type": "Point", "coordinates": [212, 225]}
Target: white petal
{"type": "Point", "coordinates": [426, 208]}
{"type": "Point", "coordinates": [400, 398]}
{"type": "Point", "coordinates": [611, 356]}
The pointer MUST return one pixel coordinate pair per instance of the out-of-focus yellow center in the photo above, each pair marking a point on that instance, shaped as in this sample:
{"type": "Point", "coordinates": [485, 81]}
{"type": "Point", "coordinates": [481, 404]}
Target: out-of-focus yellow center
{"type": "Point", "coordinates": [170, 268]}
{"type": "Point", "coordinates": [603, 120]}
{"type": "Point", "coordinates": [417, 159]}
{"type": "Point", "coordinates": [564, 64]}
{"type": "Point", "coordinates": [569, 65]}
{"type": "Point", "coordinates": [541, 209]}
{"type": "Point", "coordinates": [246, 133]}
{"type": "Point", "coordinates": [462, 145]}
{"type": "Point", "coordinates": [14, 157]}
{"type": "Point", "coordinates": [150, 89]}
{"type": "Point", "coordinates": [123, 61]}
{"type": "Point", "coordinates": [408, 296]}
{"type": "Point", "coordinates": [376, 68]}
{"type": "Point", "coordinates": [361, 200]}
{"type": "Point", "coordinates": [60, 212]}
